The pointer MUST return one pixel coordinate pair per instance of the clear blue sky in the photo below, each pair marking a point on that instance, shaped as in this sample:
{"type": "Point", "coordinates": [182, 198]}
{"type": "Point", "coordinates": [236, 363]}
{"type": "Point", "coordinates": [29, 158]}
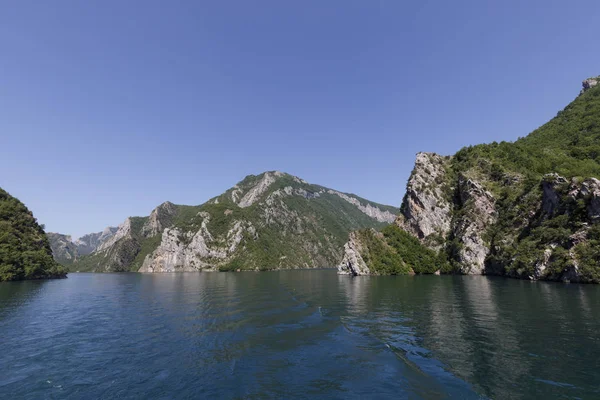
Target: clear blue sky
{"type": "Point", "coordinates": [108, 108]}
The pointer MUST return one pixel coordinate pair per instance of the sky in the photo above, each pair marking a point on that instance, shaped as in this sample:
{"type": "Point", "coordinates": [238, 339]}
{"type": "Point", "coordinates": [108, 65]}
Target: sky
{"type": "Point", "coordinates": [109, 108]}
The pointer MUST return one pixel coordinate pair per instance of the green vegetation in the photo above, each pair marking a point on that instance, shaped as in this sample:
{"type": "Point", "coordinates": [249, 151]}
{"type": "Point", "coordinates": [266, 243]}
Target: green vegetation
{"type": "Point", "coordinates": [299, 226]}
{"type": "Point", "coordinates": [24, 248]}
{"type": "Point", "coordinates": [395, 252]}
{"type": "Point", "coordinates": [127, 254]}
{"type": "Point", "coordinates": [588, 254]}
{"type": "Point", "coordinates": [312, 235]}
{"type": "Point", "coordinates": [569, 145]}
{"type": "Point", "coordinates": [526, 241]}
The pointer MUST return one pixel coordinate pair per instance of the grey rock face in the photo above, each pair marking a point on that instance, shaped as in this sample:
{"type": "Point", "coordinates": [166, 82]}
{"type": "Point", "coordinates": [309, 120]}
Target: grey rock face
{"type": "Point", "coordinates": [425, 210]}
{"type": "Point", "coordinates": [188, 251]}
{"type": "Point", "coordinates": [67, 251]}
{"type": "Point", "coordinates": [89, 243]}
{"type": "Point", "coordinates": [571, 273]}
{"type": "Point", "coordinates": [63, 248]}
{"type": "Point", "coordinates": [427, 213]}
{"type": "Point", "coordinates": [253, 195]}
{"type": "Point", "coordinates": [124, 230]}
{"type": "Point", "coordinates": [353, 263]}
{"type": "Point", "coordinates": [160, 218]}
{"type": "Point", "coordinates": [300, 225]}
{"type": "Point", "coordinates": [479, 213]}
{"type": "Point", "coordinates": [541, 265]}
{"type": "Point", "coordinates": [588, 190]}
{"type": "Point", "coordinates": [373, 212]}
{"type": "Point", "coordinates": [589, 83]}
{"type": "Point", "coordinates": [550, 198]}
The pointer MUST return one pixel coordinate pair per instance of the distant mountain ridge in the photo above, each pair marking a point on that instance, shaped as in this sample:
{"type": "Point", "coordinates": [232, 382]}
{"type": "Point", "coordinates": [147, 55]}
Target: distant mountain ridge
{"type": "Point", "coordinates": [528, 209]}
{"type": "Point", "coordinates": [268, 221]}
{"type": "Point", "coordinates": [89, 243]}
{"type": "Point", "coordinates": [67, 251]}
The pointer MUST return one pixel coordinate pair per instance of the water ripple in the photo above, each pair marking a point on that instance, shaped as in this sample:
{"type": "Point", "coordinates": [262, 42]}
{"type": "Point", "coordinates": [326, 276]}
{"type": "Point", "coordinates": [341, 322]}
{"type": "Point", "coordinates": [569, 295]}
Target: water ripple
{"type": "Point", "coordinates": [296, 334]}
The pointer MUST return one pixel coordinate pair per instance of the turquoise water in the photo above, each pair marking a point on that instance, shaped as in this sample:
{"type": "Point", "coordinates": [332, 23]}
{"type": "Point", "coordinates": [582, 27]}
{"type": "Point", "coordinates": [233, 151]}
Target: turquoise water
{"type": "Point", "coordinates": [297, 334]}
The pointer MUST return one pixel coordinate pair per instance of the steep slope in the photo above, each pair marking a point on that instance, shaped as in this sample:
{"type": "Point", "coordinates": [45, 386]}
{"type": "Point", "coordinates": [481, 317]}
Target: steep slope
{"type": "Point", "coordinates": [268, 221]}
{"type": "Point", "coordinates": [24, 249]}
{"type": "Point", "coordinates": [67, 252]}
{"type": "Point", "coordinates": [64, 250]}
{"type": "Point", "coordinates": [87, 244]}
{"type": "Point", "coordinates": [527, 209]}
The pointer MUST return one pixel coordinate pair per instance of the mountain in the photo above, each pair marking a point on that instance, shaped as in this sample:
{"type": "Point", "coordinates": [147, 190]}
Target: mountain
{"type": "Point", "coordinates": [66, 251]}
{"type": "Point", "coordinates": [87, 244]}
{"type": "Point", "coordinates": [268, 221]}
{"type": "Point", "coordinates": [24, 249]}
{"type": "Point", "coordinates": [526, 209]}
{"type": "Point", "coordinates": [63, 249]}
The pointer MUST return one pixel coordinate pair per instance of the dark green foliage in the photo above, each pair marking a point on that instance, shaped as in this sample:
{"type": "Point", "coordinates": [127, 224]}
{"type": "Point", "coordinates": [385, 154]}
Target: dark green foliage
{"type": "Point", "coordinates": [421, 259]}
{"type": "Point", "coordinates": [24, 248]}
{"type": "Point", "coordinates": [146, 246]}
{"type": "Point", "coordinates": [381, 258]}
{"type": "Point", "coordinates": [569, 145]}
{"type": "Point", "coordinates": [313, 238]}
{"type": "Point", "coordinates": [588, 255]}
{"type": "Point", "coordinates": [395, 252]}
{"type": "Point", "coordinates": [452, 250]}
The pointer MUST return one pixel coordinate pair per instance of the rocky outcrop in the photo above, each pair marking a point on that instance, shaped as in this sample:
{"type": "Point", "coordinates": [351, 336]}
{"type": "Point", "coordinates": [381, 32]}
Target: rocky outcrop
{"type": "Point", "coordinates": [551, 183]}
{"type": "Point", "coordinates": [160, 218]}
{"type": "Point", "coordinates": [353, 262]}
{"type": "Point", "coordinates": [589, 191]}
{"type": "Point", "coordinates": [120, 256]}
{"type": "Point", "coordinates": [66, 251]}
{"type": "Point", "coordinates": [490, 209]}
{"type": "Point", "coordinates": [589, 83]}
{"type": "Point", "coordinates": [189, 251]}
{"type": "Point", "coordinates": [89, 243]}
{"type": "Point", "coordinates": [478, 212]}
{"type": "Point", "coordinates": [435, 212]}
{"type": "Point", "coordinates": [371, 211]}
{"type": "Point", "coordinates": [542, 265]}
{"type": "Point", "coordinates": [290, 191]}
{"type": "Point", "coordinates": [123, 231]}
{"type": "Point", "coordinates": [255, 192]}
{"type": "Point", "coordinates": [425, 210]}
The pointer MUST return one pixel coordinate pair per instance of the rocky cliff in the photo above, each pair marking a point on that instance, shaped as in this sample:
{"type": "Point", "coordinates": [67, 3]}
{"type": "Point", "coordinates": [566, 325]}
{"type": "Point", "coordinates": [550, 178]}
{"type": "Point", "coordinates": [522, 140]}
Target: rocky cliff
{"type": "Point", "coordinates": [89, 243]}
{"type": "Point", "coordinates": [268, 221]}
{"type": "Point", "coordinates": [527, 209]}
{"type": "Point", "coordinates": [353, 262]}
{"type": "Point", "coordinates": [67, 251]}
{"type": "Point", "coordinates": [63, 248]}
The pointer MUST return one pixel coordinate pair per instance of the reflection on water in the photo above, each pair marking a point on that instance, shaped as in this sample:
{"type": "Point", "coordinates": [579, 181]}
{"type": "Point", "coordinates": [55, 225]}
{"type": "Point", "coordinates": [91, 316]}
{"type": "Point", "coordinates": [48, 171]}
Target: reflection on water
{"type": "Point", "coordinates": [298, 334]}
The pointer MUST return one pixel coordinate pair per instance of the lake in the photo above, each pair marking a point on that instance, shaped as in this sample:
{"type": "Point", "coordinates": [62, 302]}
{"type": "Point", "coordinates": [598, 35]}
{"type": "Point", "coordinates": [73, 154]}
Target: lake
{"type": "Point", "coordinates": [297, 334]}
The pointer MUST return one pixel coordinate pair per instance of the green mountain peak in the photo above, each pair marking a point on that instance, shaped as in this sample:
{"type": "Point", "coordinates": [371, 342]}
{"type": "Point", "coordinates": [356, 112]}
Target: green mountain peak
{"type": "Point", "coordinates": [267, 221]}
